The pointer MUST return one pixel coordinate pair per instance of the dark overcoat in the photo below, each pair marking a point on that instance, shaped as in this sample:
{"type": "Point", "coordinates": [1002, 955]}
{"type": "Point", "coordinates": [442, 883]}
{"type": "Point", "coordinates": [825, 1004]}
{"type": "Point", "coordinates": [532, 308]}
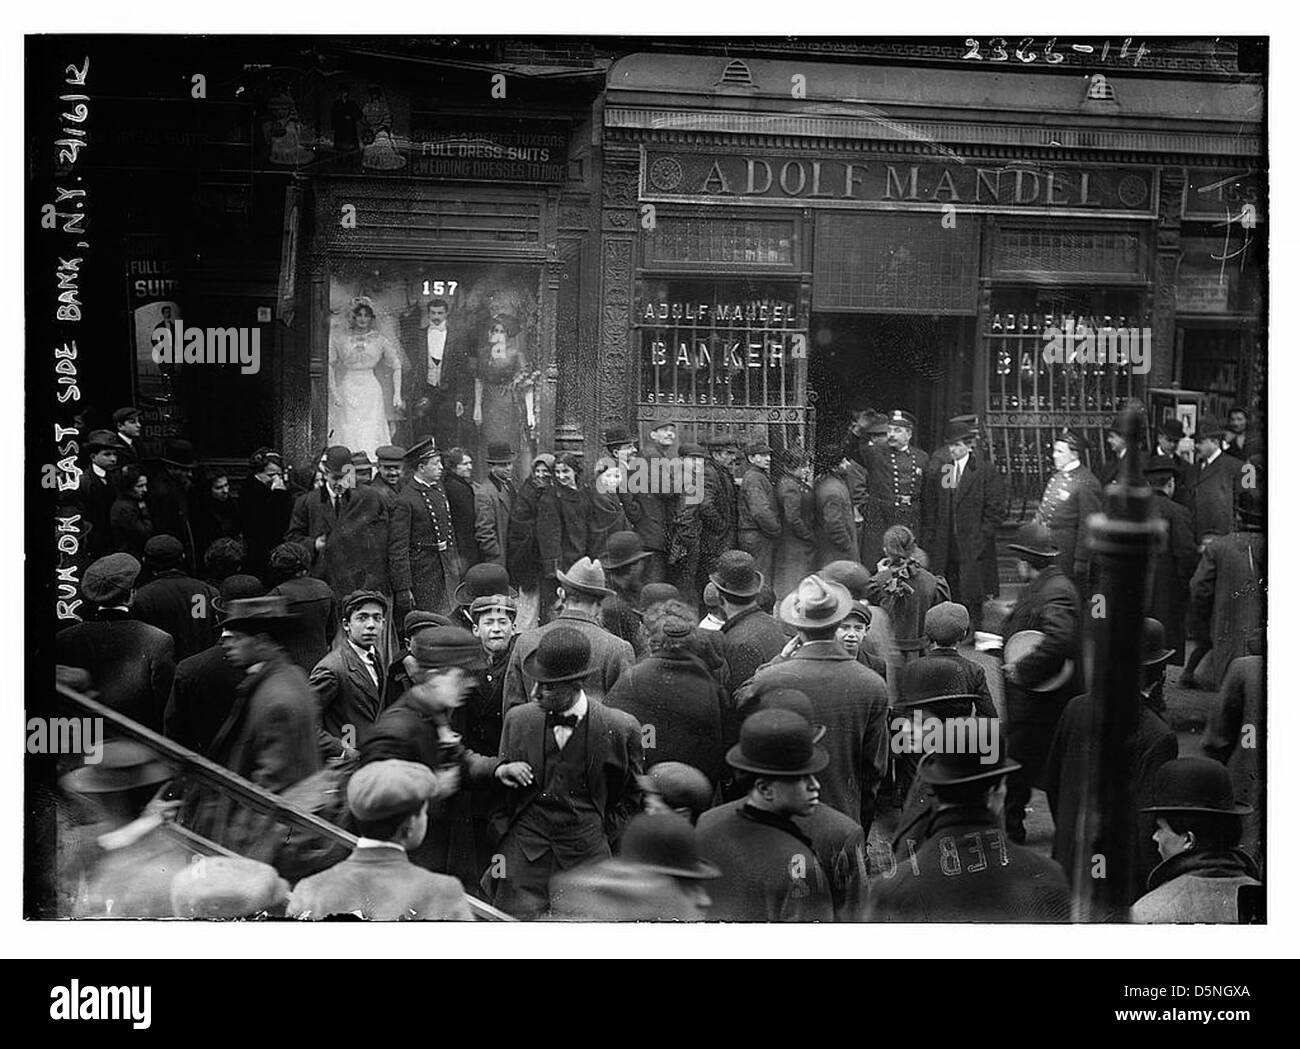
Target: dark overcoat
{"type": "Point", "coordinates": [610, 656]}
{"type": "Point", "coordinates": [758, 523]}
{"type": "Point", "coordinates": [961, 525]}
{"type": "Point", "coordinates": [202, 696]}
{"type": "Point", "coordinates": [718, 515]}
{"type": "Point", "coordinates": [347, 695]}
{"type": "Point", "coordinates": [793, 558]}
{"type": "Point", "coordinates": [837, 534]}
{"type": "Point", "coordinates": [1172, 575]}
{"type": "Point", "coordinates": [181, 607]}
{"type": "Point", "coordinates": [316, 607]}
{"type": "Point", "coordinates": [1228, 592]}
{"type": "Point", "coordinates": [131, 663]}
{"type": "Point", "coordinates": [1071, 497]}
{"type": "Point", "coordinates": [423, 547]}
{"type": "Point", "coordinates": [1213, 488]}
{"type": "Point", "coordinates": [355, 554]}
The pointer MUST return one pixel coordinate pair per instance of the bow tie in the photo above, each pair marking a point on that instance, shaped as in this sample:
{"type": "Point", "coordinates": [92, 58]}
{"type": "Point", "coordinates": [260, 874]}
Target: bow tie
{"type": "Point", "coordinates": [561, 720]}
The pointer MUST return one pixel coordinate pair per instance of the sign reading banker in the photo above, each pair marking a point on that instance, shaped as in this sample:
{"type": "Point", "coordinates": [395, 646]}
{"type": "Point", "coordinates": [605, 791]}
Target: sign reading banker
{"type": "Point", "coordinates": [898, 184]}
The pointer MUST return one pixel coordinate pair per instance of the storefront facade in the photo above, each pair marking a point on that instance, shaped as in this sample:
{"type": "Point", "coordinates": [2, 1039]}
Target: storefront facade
{"type": "Point", "coordinates": [783, 242]}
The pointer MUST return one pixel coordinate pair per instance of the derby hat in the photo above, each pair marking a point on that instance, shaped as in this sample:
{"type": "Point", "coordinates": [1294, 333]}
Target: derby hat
{"type": "Point", "coordinates": [179, 452]}
{"type": "Point", "coordinates": [562, 654]}
{"type": "Point", "coordinates": [337, 458]}
{"type": "Point", "coordinates": [123, 765]}
{"type": "Point", "coordinates": [1209, 427]}
{"type": "Point", "coordinates": [483, 580]}
{"type": "Point", "coordinates": [108, 581]}
{"type": "Point", "coordinates": [124, 414]}
{"type": "Point", "coordinates": [816, 602]}
{"type": "Point", "coordinates": [418, 619]}
{"type": "Point", "coordinates": [852, 575]}
{"type": "Point", "coordinates": [236, 588]}
{"type": "Point", "coordinates": [902, 418]}
{"type": "Point", "coordinates": [1073, 439]}
{"type": "Point", "coordinates": [777, 743]}
{"type": "Point", "coordinates": [623, 548]}
{"type": "Point", "coordinates": [499, 453]}
{"type": "Point", "coordinates": [947, 623]}
{"type": "Point", "coordinates": [657, 594]}
{"type": "Point", "coordinates": [726, 439]}
{"type": "Point", "coordinates": [680, 785]}
{"type": "Point", "coordinates": [392, 454]}
{"type": "Point", "coordinates": [1020, 644]}
{"type": "Point", "coordinates": [1153, 643]}
{"type": "Point", "coordinates": [103, 441]}
{"type": "Point", "coordinates": [928, 681]}
{"type": "Point", "coordinates": [942, 768]}
{"type": "Point", "coordinates": [358, 598]}
{"type": "Point", "coordinates": [1034, 540]}
{"type": "Point", "coordinates": [446, 646]}
{"type": "Point", "coordinates": [616, 436]}
{"type": "Point", "coordinates": [736, 574]}
{"type": "Point", "coordinates": [1194, 785]}
{"type": "Point", "coordinates": [1173, 429]}
{"type": "Point", "coordinates": [794, 700]}
{"type": "Point", "coordinates": [260, 615]}
{"type": "Point", "coordinates": [584, 576]}
{"type": "Point", "coordinates": [665, 843]}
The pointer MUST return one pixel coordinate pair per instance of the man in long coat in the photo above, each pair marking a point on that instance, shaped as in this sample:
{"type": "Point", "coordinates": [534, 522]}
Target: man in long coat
{"type": "Point", "coordinates": [1215, 479]}
{"type": "Point", "coordinates": [425, 567]}
{"type": "Point", "coordinates": [1050, 605]}
{"type": "Point", "coordinates": [496, 497]}
{"type": "Point", "coordinates": [758, 524]}
{"type": "Point", "coordinates": [345, 530]}
{"type": "Point", "coordinates": [1174, 564]}
{"type": "Point", "coordinates": [837, 533]}
{"type": "Point", "coordinates": [963, 506]}
{"type": "Point", "coordinates": [718, 511]}
{"type": "Point", "coordinates": [1228, 587]}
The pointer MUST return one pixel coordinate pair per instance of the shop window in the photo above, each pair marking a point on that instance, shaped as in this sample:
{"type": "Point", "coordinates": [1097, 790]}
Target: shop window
{"type": "Point", "coordinates": [692, 240]}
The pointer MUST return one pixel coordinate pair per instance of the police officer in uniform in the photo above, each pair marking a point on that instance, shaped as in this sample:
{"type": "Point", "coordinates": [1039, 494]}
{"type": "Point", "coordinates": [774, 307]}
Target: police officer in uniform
{"type": "Point", "coordinates": [1072, 496]}
{"type": "Point", "coordinates": [425, 567]}
{"type": "Point", "coordinates": [895, 478]}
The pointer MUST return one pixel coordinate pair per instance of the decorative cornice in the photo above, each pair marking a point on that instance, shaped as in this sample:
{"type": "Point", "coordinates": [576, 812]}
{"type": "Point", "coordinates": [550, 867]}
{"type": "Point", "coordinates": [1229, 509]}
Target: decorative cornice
{"type": "Point", "coordinates": [925, 136]}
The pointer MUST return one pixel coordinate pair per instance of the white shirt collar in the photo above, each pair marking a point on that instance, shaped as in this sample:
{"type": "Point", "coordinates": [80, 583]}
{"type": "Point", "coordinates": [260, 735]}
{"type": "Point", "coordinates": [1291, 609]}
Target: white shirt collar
{"type": "Point", "coordinates": [1072, 466]}
{"type": "Point", "coordinates": [99, 471]}
{"type": "Point", "coordinates": [375, 843]}
{"type": "Point", "coordinates": [962, 460]}
{"type": "Point", "coordinates": [364, 653]}
{"type": "Point", "coordinates": [579, 709]}
{"type": "Point", "coordinates": [1217, 452]}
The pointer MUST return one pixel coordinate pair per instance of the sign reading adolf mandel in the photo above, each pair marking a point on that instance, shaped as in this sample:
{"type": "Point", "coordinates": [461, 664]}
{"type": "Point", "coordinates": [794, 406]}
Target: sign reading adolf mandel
{"type": "Point", "coordinates": [898, 184]}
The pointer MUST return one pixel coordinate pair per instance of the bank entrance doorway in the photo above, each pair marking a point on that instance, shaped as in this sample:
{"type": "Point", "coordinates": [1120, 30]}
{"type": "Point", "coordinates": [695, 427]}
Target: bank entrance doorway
{"type": "Point", "coordinates": [919, 363]}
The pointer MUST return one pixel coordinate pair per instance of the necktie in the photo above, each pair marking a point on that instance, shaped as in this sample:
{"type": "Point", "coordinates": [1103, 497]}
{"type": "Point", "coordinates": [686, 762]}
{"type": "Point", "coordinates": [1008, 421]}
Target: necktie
{"type": "Point", "coordinates": [369, 656]}
{"type": "Point", "coordinates": [956, 477]}
{"type": "Point", "coordinates": [561, 720]}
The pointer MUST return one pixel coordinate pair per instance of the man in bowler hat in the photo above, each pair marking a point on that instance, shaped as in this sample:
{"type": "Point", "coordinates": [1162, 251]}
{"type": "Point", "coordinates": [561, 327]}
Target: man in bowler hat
{"type": "Point", "coordinates": [770, 870]}
{"type": "Point", "coordinates": [584, 760]}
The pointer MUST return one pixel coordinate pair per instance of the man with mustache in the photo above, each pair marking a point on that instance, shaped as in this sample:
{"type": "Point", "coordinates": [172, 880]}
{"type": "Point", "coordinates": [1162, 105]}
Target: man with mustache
{"type": "Point", "coordinates": [895, 477]}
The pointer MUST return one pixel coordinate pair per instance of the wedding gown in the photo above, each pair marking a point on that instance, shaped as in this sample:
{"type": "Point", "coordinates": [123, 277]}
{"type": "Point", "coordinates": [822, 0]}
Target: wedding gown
{"type": "Point", "coordinates": [361, 421]}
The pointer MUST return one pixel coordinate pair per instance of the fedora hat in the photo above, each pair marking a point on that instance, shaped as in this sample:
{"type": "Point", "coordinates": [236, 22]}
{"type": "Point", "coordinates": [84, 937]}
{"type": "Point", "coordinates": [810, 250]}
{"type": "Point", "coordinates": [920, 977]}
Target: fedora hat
{"type": "Point", "coordinates": [584, 576]}
{"type": "Point", "coordinates": [484, 580]}
{"type": "Point", "coordinates": [816, 602]}
{"type": "Point", "coordinates": [179, 452]}
{"type": "Point", "coordinates": [498, 453]}
{"type": "Point", "coordinates": [665, 843]}
{"type": "Point", "coordinates": [1194, 785]}
{"type": "Point", "coordinates": [941, 768]}
{"type": "Point", "coordinates": [1153, 643]}
{"type": "Point", "coordinates": [1208, 426]}
{"type": "Point", "coordinates": [737, 574]}
{"type": "Point", "coordinates": [1160, 468]}
{"type": "Point", "coordinates": [1034, 540]}
{"type": "Point", "coordinates": [1020, 644]}
{"type": "Point", "coordinates": [562, 654]}
{"type": "Point", "coordinates": [777, 743]}
{"type": "Point", "coordinates": [962, 428]}
{"type": "Point", "coordinates": [260, 615]}
{"type": "Point", "coordinates": [103, 440]}
{"type": "Point", "coordinates": [623, 548]}
{"type": "Point", "coordinates": [123, 765]}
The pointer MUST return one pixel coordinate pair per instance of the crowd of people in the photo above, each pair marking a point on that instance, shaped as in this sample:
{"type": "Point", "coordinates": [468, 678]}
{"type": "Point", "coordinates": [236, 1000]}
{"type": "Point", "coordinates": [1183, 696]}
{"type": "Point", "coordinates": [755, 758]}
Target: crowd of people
{"type": "Point", "coordinates": [581, 698]}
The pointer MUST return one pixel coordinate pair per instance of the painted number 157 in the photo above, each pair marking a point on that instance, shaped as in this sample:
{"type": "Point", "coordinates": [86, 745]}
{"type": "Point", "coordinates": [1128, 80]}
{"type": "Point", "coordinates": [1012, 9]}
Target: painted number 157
{"type": "Point", "coordinates": [441, 287]}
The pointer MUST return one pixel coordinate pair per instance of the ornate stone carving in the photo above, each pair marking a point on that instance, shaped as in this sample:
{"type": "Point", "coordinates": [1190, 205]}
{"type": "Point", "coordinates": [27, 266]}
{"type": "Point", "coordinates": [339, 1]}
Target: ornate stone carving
{"type": "Point", "coordinates": [615, 323]}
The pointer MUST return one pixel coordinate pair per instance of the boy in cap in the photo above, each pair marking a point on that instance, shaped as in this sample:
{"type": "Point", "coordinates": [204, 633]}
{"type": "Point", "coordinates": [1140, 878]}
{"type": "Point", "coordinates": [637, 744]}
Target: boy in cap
{"type": "Point", "coordinates": [946, 624]}
{"type": "Point", "coordinates": [770, 870]}
{"type": "Point", "coordinates": [959, 866]}
{"type": "Point", "coordinates": [1072, 495]}
{"type": "Point", "coordinates": [131, 663]}
{"type": "Point", "coordinates": [758, 524]}
{"type": "Point", "coordinates": [378, 882]}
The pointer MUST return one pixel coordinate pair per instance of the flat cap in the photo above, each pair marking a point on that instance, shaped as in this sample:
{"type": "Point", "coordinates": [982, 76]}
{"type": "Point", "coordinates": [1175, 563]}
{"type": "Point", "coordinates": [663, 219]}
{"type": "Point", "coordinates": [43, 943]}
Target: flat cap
{"type": "Point", "coordinates": [946, 623]}
{"type": "Point", "coordinates": [722, 440]}
{"type": "Point", "coordinates": [358, 598]}
{"type": "Point", "coordinates": [421, 620]}
{"type": "Point", "coordinates": [163, 551]}
{"type": "Point", "coordinates": [108, 581]}
{"type": "Point", "coordinates": [447, 646]}
{"type": "Point", "coordinates": [123, 414]}
{"type": "Point", "coordinates": [390, 453]}
{"type": "Point", "coordinates": [227, 887]}
{"type": "Point", "coordinates": [389, 788]}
